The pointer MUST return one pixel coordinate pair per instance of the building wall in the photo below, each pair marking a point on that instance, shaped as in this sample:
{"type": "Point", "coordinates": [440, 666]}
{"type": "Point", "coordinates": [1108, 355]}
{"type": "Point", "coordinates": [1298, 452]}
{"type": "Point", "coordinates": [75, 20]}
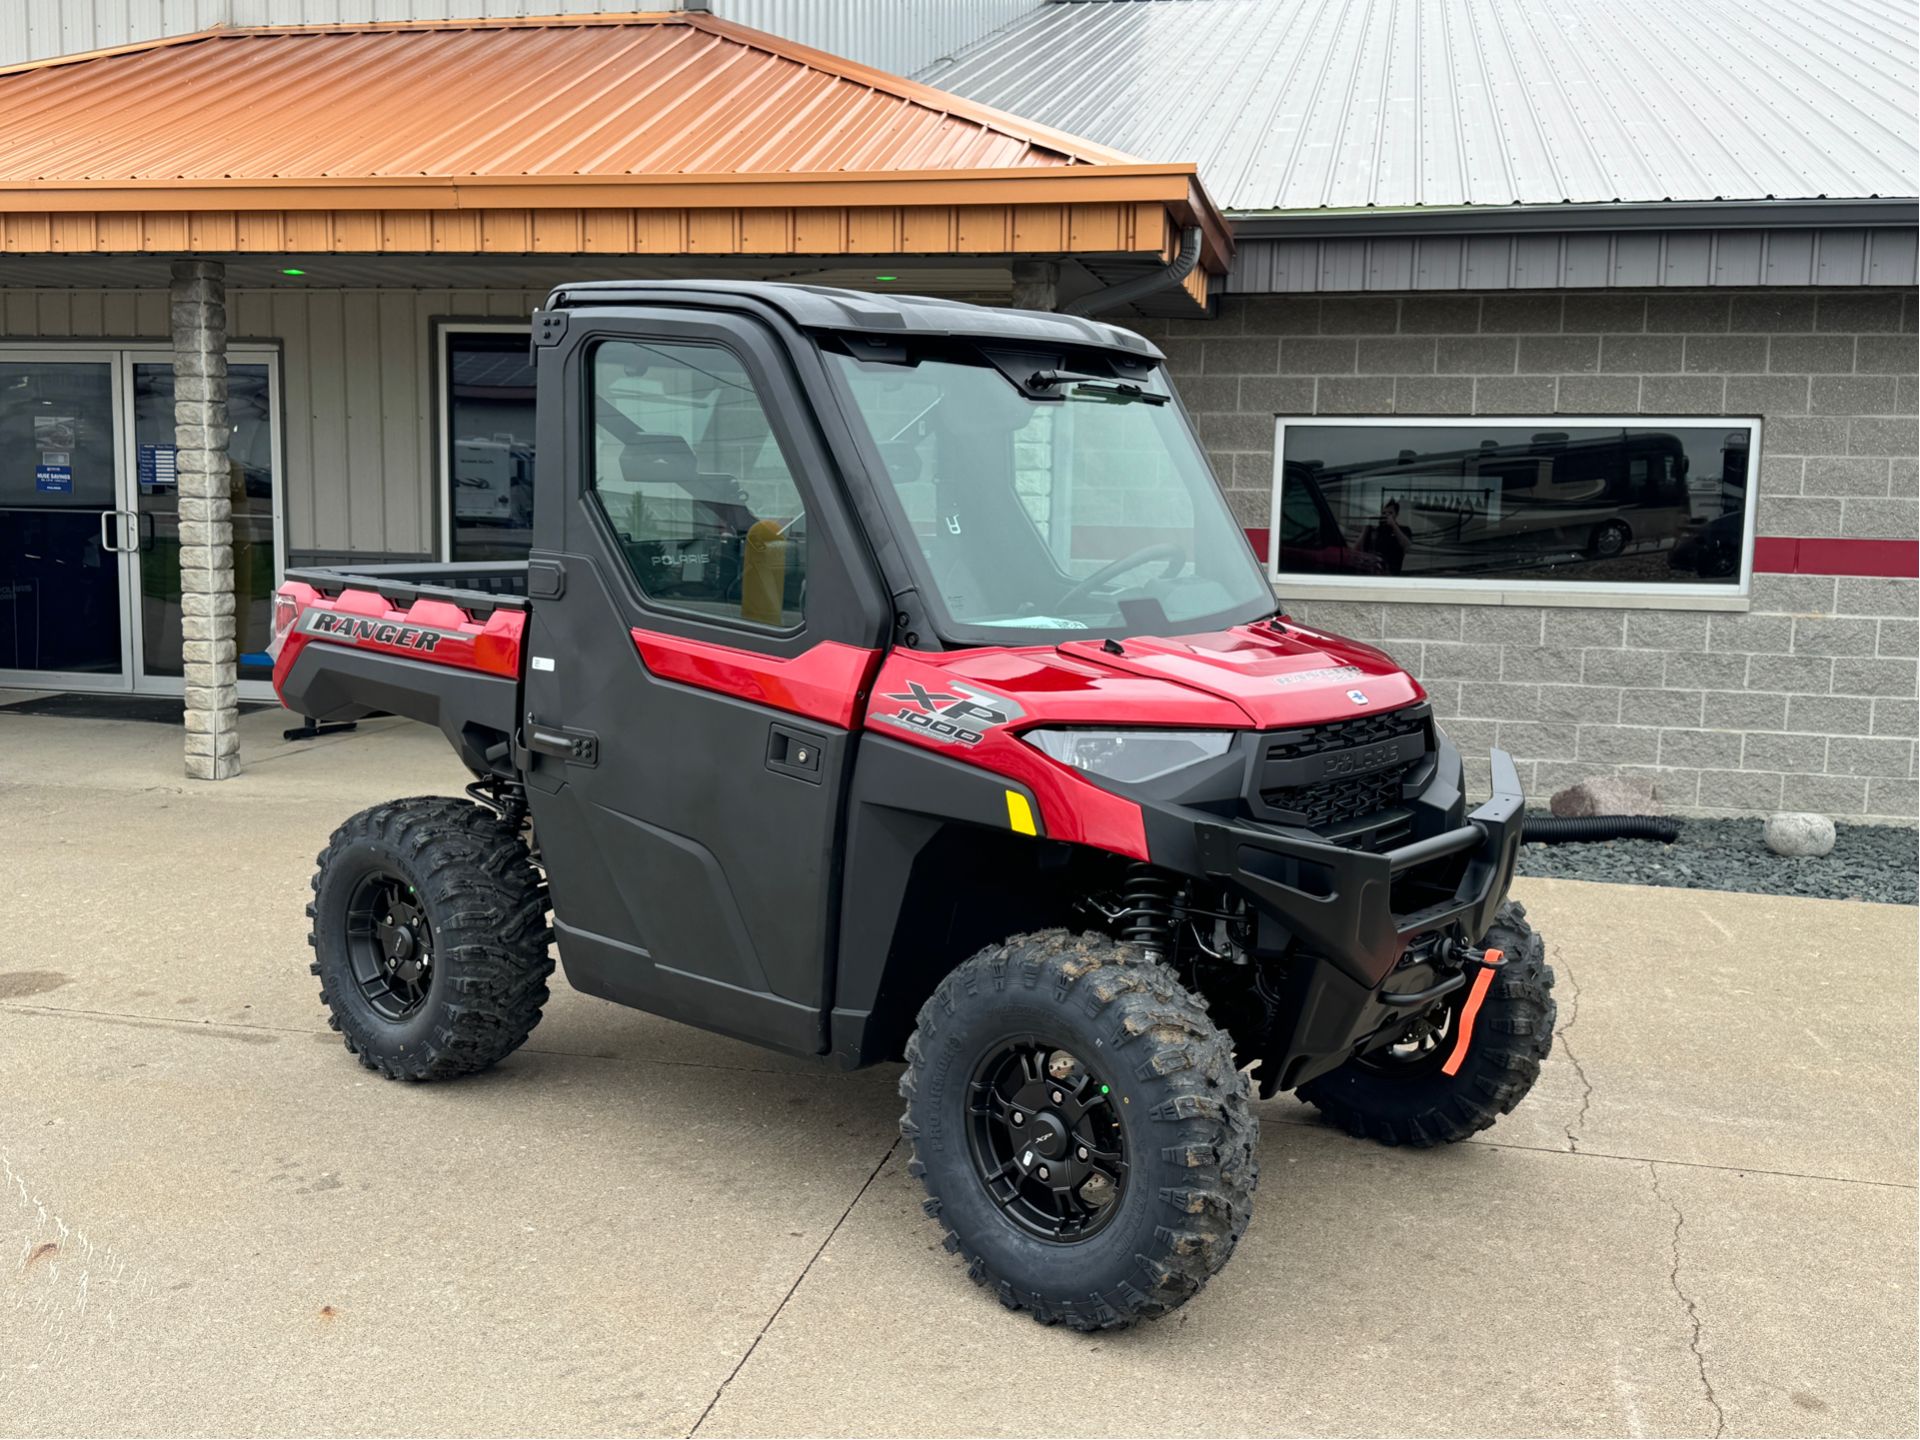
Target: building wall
{"type": "Point", "coordinates": [356, 388]}
{"type": "Point", "coordinates": [895, 35]}
{"type": "Point", "coordinates": [1807, 702]}
{"type": "Point", "coordinates": [1592, 258]}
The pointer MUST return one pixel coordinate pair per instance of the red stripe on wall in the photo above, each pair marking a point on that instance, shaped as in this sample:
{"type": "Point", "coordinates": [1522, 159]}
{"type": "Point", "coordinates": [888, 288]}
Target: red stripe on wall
{"type": "Point", "coordinates": [1786, 555]}
{"type": "Point", "coordinates": [1899, 559]}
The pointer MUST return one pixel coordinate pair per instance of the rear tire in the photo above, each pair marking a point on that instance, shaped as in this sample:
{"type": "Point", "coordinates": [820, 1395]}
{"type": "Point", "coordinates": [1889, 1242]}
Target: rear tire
{"type": "Point", "coordinates": [1173, 1109]}
{"type": "Point", "coordinates": [430, 938]}
{"type": "Point", "coordinates": [1376, 1099]}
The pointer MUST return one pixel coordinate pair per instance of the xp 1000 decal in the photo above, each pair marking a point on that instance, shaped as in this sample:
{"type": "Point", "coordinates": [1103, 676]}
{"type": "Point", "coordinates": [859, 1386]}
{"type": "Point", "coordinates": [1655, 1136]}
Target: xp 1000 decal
{"type": "Point", "coordinates": [950, 711]}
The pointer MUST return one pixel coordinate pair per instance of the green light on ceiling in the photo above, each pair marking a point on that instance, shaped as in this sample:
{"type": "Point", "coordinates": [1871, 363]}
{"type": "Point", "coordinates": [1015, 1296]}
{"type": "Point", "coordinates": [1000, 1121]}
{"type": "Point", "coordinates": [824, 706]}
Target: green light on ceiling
{"type": "Point", "coordinates": [886, 277]}
{"type": "Point", "coordinates": [1104, 1090]}
{"type": "Point", "coordinates": [293, 272]}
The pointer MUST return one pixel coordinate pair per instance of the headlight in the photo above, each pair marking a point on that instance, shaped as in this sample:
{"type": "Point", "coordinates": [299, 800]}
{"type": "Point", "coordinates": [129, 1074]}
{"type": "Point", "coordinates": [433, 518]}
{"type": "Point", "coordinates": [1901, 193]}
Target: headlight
{"type": "Point", "coordinates": [1131, 755]}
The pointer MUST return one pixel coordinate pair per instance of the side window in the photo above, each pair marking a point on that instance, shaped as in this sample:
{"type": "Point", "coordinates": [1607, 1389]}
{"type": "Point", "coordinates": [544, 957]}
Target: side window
{"type": "Point", "coordinates": [688, 473]}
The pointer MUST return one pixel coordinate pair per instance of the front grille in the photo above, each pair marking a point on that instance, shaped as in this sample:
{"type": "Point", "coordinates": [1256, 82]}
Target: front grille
{"type": "Point", "coordinates": [1334, 802]}
{"type": "Point", "coordinates": [1301, 777]}
{"type": "Point", "coordinates": [1345, 734]}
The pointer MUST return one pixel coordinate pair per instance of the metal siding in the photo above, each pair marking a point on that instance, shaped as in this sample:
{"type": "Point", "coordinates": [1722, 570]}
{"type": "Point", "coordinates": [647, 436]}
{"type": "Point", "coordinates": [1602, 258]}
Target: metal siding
{"type": "Point", "coordinates": [1895, 257]}
{"type": "Point", "coordinates": [1331, 104]}
{"type": "Point", "coordinates": [1628, 259]}
{"type": "Point", "coordinates": [1740, 258]}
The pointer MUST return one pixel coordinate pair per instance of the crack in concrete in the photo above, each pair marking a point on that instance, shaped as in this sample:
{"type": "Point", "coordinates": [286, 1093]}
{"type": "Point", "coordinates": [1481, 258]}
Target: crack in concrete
{"type": "Point", "coordinates": [1586, 1086]}
{"type": "Point", "coordinates": [1314, 1122]}
{"type": "Point", "coordinates": [792, 1289]}
{"type": "Point", "coordinates": [1693, 1310]}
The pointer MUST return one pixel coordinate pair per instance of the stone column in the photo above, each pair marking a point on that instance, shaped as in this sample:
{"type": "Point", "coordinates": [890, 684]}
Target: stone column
{"type": "Point", "coordinates": [199, 311]}
{"type": "Point", "coordinates": [1036, 284]}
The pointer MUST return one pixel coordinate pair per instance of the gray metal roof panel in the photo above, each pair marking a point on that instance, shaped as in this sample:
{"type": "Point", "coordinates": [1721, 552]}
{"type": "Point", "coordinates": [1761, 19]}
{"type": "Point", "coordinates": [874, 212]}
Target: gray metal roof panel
{"type": "Point", "coordinates": [1293, 105]}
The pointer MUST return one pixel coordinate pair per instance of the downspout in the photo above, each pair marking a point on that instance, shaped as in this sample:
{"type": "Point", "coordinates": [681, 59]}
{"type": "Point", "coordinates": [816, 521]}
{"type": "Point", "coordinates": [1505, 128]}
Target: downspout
{"type": "Point", "coordinates": [1127, 291]}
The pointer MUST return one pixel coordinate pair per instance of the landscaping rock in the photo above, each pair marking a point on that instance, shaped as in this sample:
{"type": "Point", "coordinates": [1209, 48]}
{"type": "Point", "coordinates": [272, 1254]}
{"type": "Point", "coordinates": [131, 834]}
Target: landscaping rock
{"type": "Point", "coordinates": [1790, 833]}
{"type": "Point", "coordinates": [1606, 795]}
{"type": "Point", "coordinates": [1872, 862]}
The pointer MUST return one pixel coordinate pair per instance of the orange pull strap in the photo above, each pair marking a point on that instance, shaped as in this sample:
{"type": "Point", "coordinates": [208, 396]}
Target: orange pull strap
{"type": "Point", "coordinates": [1469, 1013]}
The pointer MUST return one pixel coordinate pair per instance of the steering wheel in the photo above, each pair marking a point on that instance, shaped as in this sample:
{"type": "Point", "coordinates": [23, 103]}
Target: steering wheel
{"type": "Point", "coordinates": [1174, 555]}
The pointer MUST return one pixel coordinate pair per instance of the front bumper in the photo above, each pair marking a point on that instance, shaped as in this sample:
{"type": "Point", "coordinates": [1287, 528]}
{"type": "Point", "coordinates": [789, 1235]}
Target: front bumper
{"type": "Point", "coordinates": [1347, 925]}
{"type": "Point", "coordinates": [1340, 903]}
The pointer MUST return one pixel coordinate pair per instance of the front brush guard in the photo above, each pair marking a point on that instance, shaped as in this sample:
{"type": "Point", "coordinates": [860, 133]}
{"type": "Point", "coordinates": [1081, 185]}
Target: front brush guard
{"type": "Point", "coordinates": [1339, 902]}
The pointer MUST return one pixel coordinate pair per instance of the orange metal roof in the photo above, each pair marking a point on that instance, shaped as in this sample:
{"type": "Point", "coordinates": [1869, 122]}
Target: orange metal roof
{"type": "Point", "coordinates": [629, 134]}
{"type": "Point", "coordinates": [620, 96]}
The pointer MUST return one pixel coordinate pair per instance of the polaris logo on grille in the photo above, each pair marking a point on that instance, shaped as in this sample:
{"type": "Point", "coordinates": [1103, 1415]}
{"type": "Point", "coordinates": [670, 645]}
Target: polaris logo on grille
{"type": "Point", "coordinates": [1365, 759]}
{"type": "Point", "coordinates": [1358, 697]}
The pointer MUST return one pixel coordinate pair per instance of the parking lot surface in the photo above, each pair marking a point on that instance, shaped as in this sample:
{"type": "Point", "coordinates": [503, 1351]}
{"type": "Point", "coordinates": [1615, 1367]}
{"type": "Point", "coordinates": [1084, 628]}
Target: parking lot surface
{"type": "Point", "coordinates": [212, 1221]}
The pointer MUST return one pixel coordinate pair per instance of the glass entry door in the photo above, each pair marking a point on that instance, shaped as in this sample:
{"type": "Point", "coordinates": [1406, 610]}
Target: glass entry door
{"type": "Point", "coordinates": [63, 526]}
{"type": "Point", "coordinates": [250, 489]}
{"type": "Point", "coordinates": [90, 594]}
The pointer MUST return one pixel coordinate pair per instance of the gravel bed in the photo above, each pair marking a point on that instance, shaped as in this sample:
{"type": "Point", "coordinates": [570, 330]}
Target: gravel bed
{"type": "Point", "coordinates": [1869, 862]}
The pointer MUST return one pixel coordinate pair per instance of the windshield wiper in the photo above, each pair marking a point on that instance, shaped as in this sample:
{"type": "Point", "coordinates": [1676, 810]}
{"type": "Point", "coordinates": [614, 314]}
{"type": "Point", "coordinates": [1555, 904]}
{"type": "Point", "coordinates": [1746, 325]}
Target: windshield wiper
{"type": "Point", "coordinates": [1114, 392]}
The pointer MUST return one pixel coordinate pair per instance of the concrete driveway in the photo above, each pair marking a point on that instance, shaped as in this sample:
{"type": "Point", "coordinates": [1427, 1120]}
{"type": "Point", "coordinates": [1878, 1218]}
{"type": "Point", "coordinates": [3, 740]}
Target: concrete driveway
{"type": "Point", "coordinates": [212, 1221]}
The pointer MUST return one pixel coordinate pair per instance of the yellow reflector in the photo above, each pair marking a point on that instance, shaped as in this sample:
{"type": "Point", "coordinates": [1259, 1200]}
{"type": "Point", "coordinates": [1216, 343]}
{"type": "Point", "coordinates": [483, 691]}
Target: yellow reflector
{"type": "Point", "coordinates": [1020, 814]}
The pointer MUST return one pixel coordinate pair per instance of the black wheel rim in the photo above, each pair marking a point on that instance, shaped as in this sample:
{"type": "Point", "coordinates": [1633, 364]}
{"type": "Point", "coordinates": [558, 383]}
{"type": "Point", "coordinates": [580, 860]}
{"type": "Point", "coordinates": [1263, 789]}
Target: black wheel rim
{"type": "Point", "coordinates": [1046, 1140]}
{"type": "Point", "coordinates": [390, 946]}
{"type": "Point", "coordinates": [1422, 1050]}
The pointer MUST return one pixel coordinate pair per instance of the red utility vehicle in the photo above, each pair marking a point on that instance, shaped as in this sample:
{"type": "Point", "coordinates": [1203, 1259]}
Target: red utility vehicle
{"type": "Point", "coordinates": [889, 679]}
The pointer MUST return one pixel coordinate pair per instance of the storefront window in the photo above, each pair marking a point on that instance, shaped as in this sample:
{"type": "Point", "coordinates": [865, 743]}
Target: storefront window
{"type": "Point", "coordinates": [489, 460]}
{"type": "Point", "coordinates": [1576, 502]}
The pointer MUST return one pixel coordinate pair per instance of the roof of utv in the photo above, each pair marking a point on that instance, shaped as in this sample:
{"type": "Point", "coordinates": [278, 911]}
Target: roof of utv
{"type": "Point", "coordinates": [815, 307]}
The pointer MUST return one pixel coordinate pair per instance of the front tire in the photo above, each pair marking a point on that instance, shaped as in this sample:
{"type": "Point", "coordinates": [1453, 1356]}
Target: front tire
{"type": "Point", "coordinates": [430, 938]}
{"type": "Point", "coordinates": [1082, 1133]}
{"type": "Point", "coordinates": [1409, 1101]}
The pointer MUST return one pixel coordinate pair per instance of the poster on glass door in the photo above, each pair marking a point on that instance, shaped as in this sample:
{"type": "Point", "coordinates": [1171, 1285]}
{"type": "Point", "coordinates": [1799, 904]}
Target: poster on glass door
{"type": "Point", "coordinates": [53, 438]}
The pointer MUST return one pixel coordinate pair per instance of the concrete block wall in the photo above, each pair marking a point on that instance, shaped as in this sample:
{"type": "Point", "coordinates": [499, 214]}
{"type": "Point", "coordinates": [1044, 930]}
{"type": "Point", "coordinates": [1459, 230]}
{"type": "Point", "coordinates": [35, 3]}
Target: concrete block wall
{"type": "Point", "coordinates": [1807, 701]}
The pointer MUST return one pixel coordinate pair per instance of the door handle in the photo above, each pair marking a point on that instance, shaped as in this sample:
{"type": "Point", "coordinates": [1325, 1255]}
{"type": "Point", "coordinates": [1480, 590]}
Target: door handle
{"type": "Point", "coordinates": [107, 529]}
{"type": "Point", "coordinates": [576, 747]}
{"type": "Point", "coordinates": [794, 752]}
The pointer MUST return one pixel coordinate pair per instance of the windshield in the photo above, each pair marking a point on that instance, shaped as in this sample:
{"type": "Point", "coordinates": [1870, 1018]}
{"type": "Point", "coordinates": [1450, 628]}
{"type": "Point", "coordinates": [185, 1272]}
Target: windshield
{"type": "Point", "coordinates": [1077, 504]}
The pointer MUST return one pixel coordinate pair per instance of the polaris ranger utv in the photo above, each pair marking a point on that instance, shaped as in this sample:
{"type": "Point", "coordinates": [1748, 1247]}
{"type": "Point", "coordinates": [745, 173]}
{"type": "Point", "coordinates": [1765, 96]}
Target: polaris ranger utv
{"type": "Point", "coordinates": [889, 679]}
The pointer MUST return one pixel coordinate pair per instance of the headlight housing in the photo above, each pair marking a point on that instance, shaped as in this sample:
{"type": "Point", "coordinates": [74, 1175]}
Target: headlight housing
{"type": "Point", "coordinates": [1130, 755]}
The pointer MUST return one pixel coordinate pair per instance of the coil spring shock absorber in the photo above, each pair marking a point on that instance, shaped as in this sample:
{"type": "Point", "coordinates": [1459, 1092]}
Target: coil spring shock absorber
{"type": "Point", "coordinates": [1147, 910]}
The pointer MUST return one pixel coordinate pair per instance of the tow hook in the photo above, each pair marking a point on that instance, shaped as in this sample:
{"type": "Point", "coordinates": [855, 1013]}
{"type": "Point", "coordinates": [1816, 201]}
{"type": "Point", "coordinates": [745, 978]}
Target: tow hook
{"type": "Point", "coordinates": [1484, 963]}
{"type": "Point", "coordinates": [1468, 956]}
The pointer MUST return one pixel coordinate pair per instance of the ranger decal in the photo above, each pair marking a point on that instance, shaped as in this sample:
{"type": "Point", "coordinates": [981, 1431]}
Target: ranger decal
{"type": "Point", "coordinates": [356, 629]}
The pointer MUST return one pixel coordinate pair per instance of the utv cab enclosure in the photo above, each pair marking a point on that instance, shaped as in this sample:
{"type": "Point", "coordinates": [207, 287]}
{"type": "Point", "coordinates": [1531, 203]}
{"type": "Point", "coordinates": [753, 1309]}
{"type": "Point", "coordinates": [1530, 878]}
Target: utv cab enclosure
{"type": "Point", "coordinates": [890, 679]}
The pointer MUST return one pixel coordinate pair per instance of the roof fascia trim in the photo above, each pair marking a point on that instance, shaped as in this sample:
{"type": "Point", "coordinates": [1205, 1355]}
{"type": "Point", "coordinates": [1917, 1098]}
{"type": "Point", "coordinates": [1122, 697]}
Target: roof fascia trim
{"type": "Point", "coordinates": [1529, 219]}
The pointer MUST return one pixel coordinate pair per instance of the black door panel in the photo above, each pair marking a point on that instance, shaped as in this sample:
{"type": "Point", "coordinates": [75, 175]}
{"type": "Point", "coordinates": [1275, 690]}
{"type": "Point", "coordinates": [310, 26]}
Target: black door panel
{"type": "Point", "coordinates": [693, 866]}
